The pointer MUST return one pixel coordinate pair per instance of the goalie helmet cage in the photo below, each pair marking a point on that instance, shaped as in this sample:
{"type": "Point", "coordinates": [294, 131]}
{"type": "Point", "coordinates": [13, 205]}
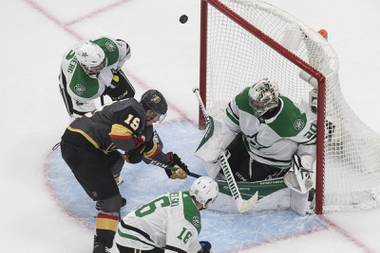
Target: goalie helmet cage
{"type": "Point", "coordinates": [243, 41]}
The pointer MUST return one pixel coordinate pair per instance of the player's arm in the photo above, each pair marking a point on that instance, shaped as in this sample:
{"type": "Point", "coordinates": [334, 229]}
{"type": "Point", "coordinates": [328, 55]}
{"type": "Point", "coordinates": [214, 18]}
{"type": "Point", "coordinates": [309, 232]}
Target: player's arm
{"type": "Point", "coordinates": [232, 118]}
{"type": "Point", "coordinates": [215, 142]}
{"type": "Point", "coordinates": [171, 162]}
{"type": "Point", "coordinates": [139, 148]}
{"type": "Point", "coordinates": [124, 52]}
{"type": "Point", "coordinates": [77, 88]}
{"type": "Point", "coordinates": [300, 177]}
{"type": "Point", "coordinates": [120, 87]}
{"type": "Point", "coordinates": [307, 154]}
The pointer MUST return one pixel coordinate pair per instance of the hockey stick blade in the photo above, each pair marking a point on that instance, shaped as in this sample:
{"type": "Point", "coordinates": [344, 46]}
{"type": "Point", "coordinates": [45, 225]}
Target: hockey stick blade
{"type": "Point", "coordinates": [246, 205]}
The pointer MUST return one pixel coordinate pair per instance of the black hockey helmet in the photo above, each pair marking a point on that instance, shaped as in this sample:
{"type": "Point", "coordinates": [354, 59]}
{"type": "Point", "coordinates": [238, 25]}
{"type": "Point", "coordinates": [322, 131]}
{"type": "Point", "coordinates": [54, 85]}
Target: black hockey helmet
{"type": "Point", "coordinates": [155, 101]}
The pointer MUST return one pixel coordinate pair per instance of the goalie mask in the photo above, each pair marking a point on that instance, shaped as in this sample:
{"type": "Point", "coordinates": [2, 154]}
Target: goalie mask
{"type": "Point", "coordinates": [263, 96]}
{"type": "Point", "coordinates": [91, 57]}
{"type": "Point", "coordinates": [204, 190]}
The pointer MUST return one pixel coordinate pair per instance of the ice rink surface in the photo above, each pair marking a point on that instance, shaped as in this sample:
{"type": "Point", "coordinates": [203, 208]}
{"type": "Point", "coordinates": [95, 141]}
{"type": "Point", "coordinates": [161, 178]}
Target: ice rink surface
{"type": "Point", "coordinates": [164, 56]}
{"type": "Point", "coordinates": [227, 231]}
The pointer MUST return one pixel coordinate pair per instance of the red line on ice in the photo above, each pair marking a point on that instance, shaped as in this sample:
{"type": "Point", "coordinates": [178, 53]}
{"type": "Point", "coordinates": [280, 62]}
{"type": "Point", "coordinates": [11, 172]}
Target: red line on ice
{"type": "Point", "coordinates": [347, 235]}
{"type": "Point", "coordinates": [96, 12]}
{"type": "Point", "coordinates": [53, 19]}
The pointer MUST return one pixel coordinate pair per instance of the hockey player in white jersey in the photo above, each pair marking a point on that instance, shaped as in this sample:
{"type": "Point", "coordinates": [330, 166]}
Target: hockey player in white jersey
{"type": "Point", "coordinates": [266, 135]}
{"type": "Point", "coordinates": [169, 223]}
{"type": "Point", "coordinates": [93, 69]}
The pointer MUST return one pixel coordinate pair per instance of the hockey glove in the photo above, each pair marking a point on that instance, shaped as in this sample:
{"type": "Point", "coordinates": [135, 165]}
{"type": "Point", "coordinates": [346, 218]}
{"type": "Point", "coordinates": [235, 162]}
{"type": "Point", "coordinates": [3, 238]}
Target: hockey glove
{"type": "Point", "coordinates": [118, 179]}
{"type": "Point", "coordinates": [136, 155]}
{"type": "Point", "coordinates": [205, 247]}
{"type": "Point", "coordinates": [120, 88]}
{"type": "Point", "coordinates": [176, 168]}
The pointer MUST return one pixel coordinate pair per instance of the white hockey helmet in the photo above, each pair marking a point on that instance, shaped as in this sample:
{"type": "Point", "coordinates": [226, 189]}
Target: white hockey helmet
{"type": "Point", "coordinates": [263, 96]}
{"type": "Point", "coordinates": [91, 57]}
{"type": "Point", "coordinates": [204, 189]}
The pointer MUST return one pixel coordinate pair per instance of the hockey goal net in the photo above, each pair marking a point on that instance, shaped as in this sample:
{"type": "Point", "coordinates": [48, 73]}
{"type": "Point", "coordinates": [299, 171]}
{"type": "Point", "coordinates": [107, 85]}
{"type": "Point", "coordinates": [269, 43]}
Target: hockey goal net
{"type": "Point", "coordinates": [243, 41]}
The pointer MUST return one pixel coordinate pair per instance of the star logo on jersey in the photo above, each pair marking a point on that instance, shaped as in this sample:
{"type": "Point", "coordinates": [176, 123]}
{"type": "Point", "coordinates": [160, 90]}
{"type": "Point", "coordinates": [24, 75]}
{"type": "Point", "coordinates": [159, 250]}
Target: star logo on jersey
{"type": "Point", "coordinates": [110, 46]}
{"type": "Point", "coordinates": [196, 221]}
{"type": "Point", "coordinates": [299, 124]}
{"type": "Point", "coordinates": [79, 89]}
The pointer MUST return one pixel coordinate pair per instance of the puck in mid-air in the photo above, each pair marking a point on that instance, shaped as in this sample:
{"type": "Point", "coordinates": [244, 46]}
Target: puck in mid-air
{"type": "Point", "coordinates": [183, 19]}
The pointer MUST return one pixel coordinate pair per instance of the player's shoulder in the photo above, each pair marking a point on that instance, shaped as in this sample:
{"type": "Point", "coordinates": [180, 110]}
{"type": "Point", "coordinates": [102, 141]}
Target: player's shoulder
{"type": "Point", "coordinates": [292, 109]}
{"type": "Point", "coordinates": [288, 103]}
{"type": "Point", "coordinates": [110, 48]}
{"type": "Point", "coordinates": [294, 121]}
{"type": "Point", "coordinates": [190, 211]}
{"type": "Point", "coordinates": [242, 101]}
{"type": "Point", "coordinates": [129, 106]}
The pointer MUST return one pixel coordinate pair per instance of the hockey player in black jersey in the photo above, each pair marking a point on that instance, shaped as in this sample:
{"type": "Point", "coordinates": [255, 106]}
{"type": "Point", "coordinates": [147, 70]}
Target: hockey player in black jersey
{"type": "Point", "coordinates": [91, 144]}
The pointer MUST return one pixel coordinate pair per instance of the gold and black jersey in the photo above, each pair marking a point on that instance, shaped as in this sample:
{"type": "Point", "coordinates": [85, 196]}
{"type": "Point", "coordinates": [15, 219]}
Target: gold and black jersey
{"type": "Point", "coordinates": [115, 126]}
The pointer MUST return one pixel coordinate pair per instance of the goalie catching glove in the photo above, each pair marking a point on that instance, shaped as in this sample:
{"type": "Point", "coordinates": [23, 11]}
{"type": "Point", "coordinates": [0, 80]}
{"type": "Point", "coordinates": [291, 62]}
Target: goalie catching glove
{"type": "Point", "coordinates": [298, 178]}
{"type": "Point", "coordinates": [205, 247]}
{"type": "Point", "coordinates": [176, 168]}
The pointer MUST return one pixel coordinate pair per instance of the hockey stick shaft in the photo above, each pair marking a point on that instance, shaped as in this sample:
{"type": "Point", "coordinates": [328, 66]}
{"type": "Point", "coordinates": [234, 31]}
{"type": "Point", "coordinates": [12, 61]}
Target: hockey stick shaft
{"type": "Point", "coordinates": [164, 166]}
{"type": "Point", "coordinates": [241, 204]}
{"type": "Point", "coordinates": [202, 106]}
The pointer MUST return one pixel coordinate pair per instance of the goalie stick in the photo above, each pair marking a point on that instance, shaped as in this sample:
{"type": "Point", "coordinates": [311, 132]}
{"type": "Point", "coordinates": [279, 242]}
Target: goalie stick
{"type": "Point", "coordinates": [241, 204]}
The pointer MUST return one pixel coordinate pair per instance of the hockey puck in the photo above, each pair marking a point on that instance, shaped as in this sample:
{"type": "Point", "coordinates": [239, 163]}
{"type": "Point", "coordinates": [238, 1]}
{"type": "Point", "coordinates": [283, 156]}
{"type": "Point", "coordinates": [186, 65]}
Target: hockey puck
{"type": "Point", "coordinates": [183, 19]}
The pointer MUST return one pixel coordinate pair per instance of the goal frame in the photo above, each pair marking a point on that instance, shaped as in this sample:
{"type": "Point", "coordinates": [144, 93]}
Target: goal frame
{"type": "Point", "coordinates": [254, 31]}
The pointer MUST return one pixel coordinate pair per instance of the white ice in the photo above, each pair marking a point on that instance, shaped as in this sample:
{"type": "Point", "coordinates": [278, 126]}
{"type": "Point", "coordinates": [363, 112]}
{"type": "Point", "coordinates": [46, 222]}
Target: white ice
{"type": "Point", "coordinates": [35, 34]}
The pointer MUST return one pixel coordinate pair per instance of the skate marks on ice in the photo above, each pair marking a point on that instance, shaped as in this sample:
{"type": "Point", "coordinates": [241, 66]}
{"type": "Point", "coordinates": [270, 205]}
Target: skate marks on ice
{"type": "Point", "coordinates": [226, 231]}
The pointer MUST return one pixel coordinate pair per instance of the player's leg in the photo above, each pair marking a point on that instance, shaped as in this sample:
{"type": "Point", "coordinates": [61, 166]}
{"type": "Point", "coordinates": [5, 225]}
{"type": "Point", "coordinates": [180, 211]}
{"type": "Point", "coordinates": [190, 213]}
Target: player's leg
{"type": "Point", "coordinates": [116, 163]}
{"type": "Point", "coordinates": [89, 166]}
{"type": "Point", "coordinates": [239, 159]}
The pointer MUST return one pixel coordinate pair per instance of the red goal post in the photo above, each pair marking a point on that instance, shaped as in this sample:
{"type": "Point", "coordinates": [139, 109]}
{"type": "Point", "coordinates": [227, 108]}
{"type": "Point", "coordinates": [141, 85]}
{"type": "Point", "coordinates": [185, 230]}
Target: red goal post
{"type": "Point", "coordinates": [243, 41]}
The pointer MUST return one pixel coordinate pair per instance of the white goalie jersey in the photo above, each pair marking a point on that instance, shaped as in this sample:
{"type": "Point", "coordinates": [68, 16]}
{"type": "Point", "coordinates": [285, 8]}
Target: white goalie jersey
{"type": "Point", "coordinates": [171, 222]}
{"type": "Point", "coordinates": [273, 141]}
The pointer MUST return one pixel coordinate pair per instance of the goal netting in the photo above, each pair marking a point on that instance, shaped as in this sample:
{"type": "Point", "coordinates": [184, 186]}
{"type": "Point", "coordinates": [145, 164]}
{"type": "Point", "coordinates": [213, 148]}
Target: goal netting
{"type": "Point", "coordinates": [243, 41]}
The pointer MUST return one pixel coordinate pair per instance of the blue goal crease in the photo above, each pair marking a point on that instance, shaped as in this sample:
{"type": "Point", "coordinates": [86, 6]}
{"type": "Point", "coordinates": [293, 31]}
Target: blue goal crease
{"type": "Point", "coordinates": [226, 231]}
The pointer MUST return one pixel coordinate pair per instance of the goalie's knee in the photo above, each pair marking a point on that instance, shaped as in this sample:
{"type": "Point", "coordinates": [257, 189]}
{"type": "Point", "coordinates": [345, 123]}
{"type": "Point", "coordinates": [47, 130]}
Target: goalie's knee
{"type": "Point", "coordinates": [111, 205]}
